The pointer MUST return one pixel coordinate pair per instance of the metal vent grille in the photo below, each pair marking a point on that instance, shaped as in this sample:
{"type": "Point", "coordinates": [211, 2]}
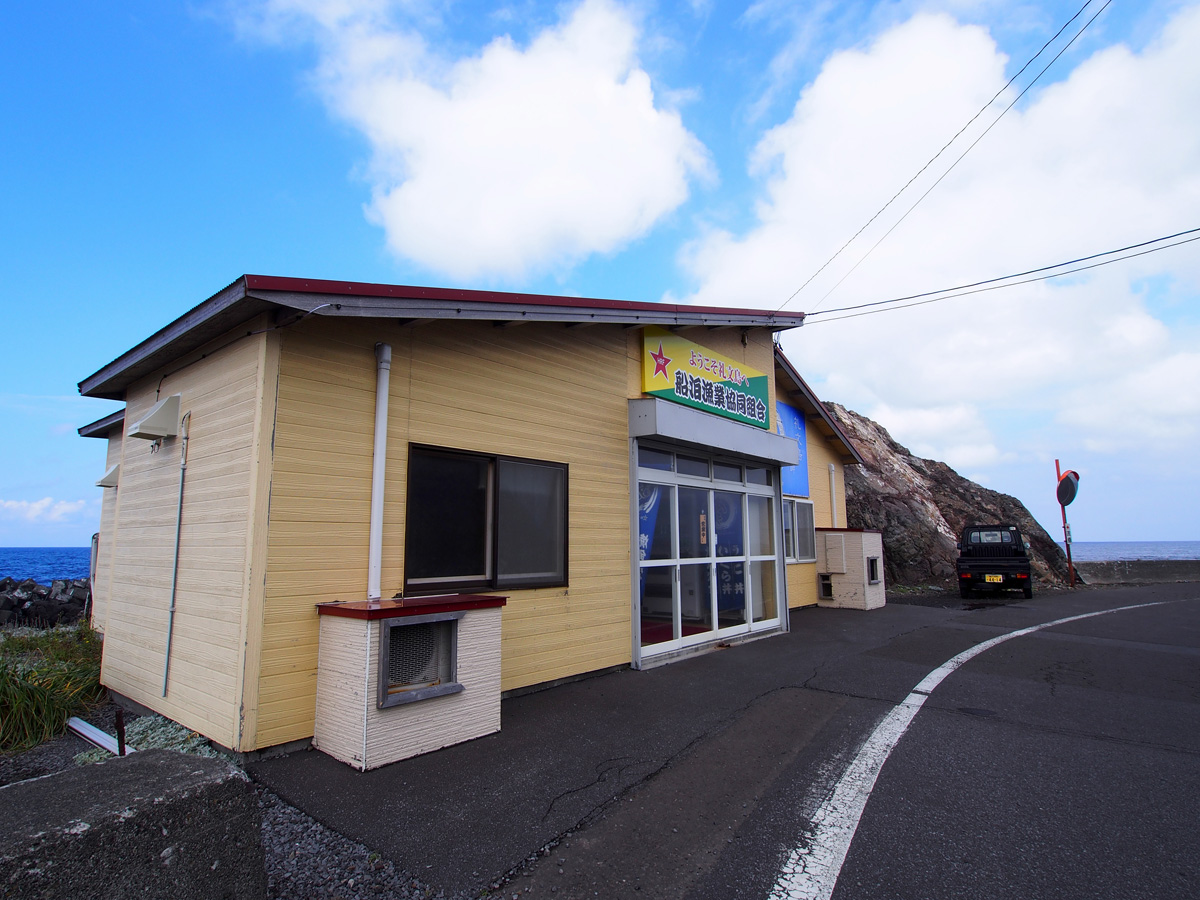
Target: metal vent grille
{"type": "Point", "coordinates": [420, 655]}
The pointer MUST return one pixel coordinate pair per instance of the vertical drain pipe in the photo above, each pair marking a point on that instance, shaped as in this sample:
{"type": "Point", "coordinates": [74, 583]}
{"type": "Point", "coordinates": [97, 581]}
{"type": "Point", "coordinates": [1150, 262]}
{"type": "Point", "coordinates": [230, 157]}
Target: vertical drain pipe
{"type": "Point", "coordinates": [833, 495]}
{"type": "Point", "coordinates": [183, 431]}
{"type": "Point", "coordinates": [383, 358]}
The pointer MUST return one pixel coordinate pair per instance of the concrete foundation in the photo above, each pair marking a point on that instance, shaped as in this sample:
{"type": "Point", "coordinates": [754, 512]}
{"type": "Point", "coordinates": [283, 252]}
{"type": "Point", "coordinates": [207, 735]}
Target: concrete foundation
{"type": "Point", "coordinates": [155, 824]}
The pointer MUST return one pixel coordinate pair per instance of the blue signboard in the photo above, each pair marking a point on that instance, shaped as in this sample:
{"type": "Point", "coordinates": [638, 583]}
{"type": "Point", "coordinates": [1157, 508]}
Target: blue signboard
{"type": "Point", "coordinates": [789, 422]}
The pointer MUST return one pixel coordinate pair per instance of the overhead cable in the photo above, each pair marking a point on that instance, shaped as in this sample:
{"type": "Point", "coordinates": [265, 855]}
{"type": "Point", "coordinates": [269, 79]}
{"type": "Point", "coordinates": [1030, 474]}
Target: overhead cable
{"type": "Point", "coordinates": [995, 284]}
{"type": "Point", "coordinates": [945, 147]}
{"type": "Point", "coordinates": [970, 147]}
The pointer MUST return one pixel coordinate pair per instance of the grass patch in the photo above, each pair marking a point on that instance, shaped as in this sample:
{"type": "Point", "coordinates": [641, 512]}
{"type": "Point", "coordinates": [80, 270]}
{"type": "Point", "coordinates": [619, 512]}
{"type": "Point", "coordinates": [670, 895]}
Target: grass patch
{"type": "Point", "coordinates": [45, 678]}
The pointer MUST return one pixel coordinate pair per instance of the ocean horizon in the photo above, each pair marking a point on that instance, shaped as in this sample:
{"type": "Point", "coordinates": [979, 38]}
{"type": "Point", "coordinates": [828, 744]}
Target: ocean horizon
{"type": "Point", "coordinates": [47, 564]}
{"type": "Point", "coordinates": [1108, 551]}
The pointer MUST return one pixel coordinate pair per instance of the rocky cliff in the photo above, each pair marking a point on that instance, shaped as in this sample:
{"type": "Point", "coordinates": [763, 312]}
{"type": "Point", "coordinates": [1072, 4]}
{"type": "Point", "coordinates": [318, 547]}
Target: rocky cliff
{"type": "Point", "coordinates": [921, 505]}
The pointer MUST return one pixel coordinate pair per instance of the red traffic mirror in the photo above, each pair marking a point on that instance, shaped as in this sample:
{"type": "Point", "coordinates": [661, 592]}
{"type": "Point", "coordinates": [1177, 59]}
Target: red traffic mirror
{"type": "Point", "coordinates": [1068, 487]}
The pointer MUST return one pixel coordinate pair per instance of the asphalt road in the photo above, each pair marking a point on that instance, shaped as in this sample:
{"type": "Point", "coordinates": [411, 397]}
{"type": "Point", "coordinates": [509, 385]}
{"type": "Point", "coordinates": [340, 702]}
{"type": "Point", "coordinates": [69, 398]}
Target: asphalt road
{"type": "Point", "coordinates": [1064, 763]}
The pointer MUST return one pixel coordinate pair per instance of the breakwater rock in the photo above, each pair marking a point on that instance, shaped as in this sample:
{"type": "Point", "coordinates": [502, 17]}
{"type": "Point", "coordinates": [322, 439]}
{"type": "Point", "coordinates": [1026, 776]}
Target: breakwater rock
{"type": "Point", "coordinates": [921, 506]}
{"type": "Point", "coordinates": [29, 603]}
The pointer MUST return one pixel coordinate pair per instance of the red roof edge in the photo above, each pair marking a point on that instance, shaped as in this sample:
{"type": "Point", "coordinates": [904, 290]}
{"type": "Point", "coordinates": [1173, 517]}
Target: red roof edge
{"type": "Point", "coordinates": [367, 289]}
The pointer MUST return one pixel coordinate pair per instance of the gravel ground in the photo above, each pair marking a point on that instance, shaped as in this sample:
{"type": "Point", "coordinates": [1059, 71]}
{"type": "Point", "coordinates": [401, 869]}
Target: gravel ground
{"type": "Point", "coordinates": [305, 860]}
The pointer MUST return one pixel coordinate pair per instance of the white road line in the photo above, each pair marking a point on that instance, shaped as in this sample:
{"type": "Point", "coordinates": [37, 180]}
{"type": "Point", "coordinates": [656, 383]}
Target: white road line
{"type": "Point", "coordinates": [811, 870]}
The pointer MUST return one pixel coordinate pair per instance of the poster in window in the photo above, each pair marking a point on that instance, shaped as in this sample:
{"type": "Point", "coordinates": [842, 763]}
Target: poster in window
{"type": "Point", "coordinates": [789, 422]}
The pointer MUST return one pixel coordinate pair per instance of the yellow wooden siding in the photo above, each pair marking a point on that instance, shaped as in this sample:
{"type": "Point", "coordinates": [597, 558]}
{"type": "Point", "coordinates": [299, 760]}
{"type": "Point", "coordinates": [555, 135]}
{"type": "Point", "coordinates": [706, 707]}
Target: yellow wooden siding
{"type": "Point", "coordinates": [820, 455]}
{"type": "Point", "coordinates": [255, 575]}
{"type": "Point", "coordinates": [220, 391]}
{"type": "Point", "coordinates": [802, 577]}
{"type": "Point", "coordinates": [802, 584]}
{"type": "Point", "coordinates": [536, 391]}
{"type": "Point", "coordinates": [102, 586]}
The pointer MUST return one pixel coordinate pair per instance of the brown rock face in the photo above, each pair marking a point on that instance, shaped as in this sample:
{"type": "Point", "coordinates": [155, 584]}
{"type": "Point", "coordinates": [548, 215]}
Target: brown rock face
{"type": "Point", "coordinates": [920, 506]}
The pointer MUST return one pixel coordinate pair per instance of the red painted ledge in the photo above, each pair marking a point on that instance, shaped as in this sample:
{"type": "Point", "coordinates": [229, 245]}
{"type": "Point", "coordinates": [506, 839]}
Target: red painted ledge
{"type": "Point", "coordinates": [410, 606]}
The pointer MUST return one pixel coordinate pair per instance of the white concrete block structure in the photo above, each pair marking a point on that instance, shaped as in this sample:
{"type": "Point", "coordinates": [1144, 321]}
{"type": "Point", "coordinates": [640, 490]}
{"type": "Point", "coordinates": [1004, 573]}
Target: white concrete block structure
{"type": "Point", "coordinates": [366, 717]}
{"type": "Point", "coordinates": [850, 569]}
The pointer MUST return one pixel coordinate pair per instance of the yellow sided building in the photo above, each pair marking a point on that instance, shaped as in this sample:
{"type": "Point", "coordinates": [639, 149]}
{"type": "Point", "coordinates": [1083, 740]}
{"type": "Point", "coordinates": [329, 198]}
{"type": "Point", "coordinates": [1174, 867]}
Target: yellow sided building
{"type": "Point", "coordinates": [313, 484]}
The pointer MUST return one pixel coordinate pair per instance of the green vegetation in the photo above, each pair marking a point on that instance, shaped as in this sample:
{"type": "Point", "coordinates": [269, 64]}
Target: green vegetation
{"type": "Point", "coordinates": [45, 678]}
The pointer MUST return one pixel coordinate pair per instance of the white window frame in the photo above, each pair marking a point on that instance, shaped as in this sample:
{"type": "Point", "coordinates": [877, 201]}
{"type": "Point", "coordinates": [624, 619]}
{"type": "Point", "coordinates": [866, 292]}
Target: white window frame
{"type": "Point", "coordinates": [792, 541]}
{"type": "Point", "coordinates": [674, 480]}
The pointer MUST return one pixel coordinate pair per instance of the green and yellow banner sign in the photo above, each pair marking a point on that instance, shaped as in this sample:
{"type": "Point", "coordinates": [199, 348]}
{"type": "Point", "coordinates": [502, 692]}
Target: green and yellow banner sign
{"type": "Point", "coordinates": [679, 370]}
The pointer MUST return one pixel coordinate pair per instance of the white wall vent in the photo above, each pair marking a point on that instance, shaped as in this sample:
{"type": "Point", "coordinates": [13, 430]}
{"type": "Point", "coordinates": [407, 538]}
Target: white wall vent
{"type": "Point", "coordinates": [161, 422]}
{"type": "Point", "coordinates": [110, 478]}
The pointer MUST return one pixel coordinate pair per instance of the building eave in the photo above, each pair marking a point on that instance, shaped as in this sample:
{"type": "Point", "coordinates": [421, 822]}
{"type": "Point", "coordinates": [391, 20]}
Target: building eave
{"type": "Point", "coordinates": [102, 428]}
{"type": "Point", "coordinates": [252, 295]}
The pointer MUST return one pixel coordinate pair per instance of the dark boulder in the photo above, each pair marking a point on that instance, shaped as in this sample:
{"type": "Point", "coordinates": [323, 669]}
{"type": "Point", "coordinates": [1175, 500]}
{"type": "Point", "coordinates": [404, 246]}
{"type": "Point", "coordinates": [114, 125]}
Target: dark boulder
{"type": "Point", "coordinates": [28, 603]}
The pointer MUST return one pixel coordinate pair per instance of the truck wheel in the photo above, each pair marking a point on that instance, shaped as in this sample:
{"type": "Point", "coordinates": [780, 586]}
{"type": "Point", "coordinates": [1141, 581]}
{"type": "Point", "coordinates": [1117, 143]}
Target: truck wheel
{"type": "Point", "coordinates": [964, 591]}
{"type": "Point", "coordinates": [1028, 593]}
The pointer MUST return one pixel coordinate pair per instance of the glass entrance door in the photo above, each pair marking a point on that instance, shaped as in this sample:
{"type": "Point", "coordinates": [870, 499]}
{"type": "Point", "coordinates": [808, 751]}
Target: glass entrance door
{"type": "Point", "coordinates": [707, 549]}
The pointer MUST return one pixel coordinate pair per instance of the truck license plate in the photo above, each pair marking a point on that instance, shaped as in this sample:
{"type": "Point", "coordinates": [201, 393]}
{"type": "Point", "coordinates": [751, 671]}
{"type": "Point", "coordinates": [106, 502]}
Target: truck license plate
{"type": "Point", "coordinates": [994, 579]}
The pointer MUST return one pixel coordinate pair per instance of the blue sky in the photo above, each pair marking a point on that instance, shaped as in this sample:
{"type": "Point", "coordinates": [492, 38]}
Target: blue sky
{"type": "Point", "coordinates": [717, 153]}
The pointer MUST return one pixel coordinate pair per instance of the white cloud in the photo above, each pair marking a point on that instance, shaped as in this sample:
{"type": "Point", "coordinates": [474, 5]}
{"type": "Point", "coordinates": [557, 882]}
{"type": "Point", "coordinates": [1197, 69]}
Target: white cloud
{"type": "Point", "coordinates": [1103, 158]}
{"type": "Point", "coordinates": [1156, 404]}
{"type": "Point", "coordinates": [510, 162]}
{"type": "Point", "coordinates": [40, 511]}
{"type": "Point", "coordinates": [955, 434]}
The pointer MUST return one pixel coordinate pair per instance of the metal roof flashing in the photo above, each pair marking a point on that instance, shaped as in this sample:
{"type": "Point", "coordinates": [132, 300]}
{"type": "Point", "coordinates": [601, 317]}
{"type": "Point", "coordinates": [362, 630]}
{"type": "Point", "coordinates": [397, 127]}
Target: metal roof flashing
{"type": "Point", "coordinates": [252, 295]}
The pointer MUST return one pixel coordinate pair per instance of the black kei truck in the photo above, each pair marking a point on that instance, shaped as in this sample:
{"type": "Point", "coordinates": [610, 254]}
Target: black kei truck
{"type": "Point", "coordinates": [993, 558]}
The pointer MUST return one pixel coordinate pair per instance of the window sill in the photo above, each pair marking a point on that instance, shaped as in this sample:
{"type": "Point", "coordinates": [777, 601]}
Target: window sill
{"type": "Point", "coordinates": [401, 698]}
{"type": "Point", "coordinates": [409, 606]}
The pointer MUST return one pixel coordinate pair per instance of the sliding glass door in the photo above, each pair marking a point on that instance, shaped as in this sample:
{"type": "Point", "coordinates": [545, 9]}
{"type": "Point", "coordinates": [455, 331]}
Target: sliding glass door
{"type": "Point", "coordinates": [708, 560]}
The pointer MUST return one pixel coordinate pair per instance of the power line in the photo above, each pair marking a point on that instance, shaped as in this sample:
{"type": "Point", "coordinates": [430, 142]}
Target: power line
{"type": "Point", "coordinates": [945, 147]}
{"type": "Point", "coordinates": [992, 284]}
{"type": "Point", "coordinates": [960, 287]}
{"type": "Point", "coordinates": [971, 147]}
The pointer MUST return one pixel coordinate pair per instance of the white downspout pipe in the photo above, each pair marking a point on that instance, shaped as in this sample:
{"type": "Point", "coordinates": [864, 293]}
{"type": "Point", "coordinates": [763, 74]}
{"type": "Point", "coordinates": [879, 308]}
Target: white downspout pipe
{"type": "Point", "coordinates": [183, 430]}
{"type": "Point", "coordinates": [833, 506]}
{"type": "Point", "coordinates": [383, 357]}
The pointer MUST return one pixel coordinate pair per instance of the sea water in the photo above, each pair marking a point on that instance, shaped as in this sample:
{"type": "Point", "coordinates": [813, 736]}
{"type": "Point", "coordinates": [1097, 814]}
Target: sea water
{"type": "Point", "coordinates": [1105, 551]}
{"type": "Point", "coordinates": [45, 564]}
